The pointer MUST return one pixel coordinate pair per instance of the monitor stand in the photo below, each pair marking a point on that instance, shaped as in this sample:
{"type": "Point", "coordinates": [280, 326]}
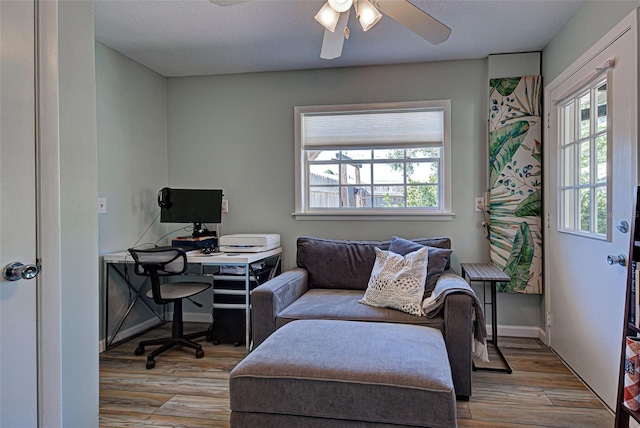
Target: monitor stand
{"type": "Point", "coordinates": [199, 231]}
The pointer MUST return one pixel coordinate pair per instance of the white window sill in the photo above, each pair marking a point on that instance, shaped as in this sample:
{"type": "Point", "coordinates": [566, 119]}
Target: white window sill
{"type": "Point", "coordinates": [410, 216]}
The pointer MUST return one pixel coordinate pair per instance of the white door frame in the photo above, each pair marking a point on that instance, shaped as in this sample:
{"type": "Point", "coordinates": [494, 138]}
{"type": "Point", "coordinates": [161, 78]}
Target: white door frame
{"type": "Point", "coordinates": [629, 23]}
{"type": "Point", "coordinates": [48, 217]}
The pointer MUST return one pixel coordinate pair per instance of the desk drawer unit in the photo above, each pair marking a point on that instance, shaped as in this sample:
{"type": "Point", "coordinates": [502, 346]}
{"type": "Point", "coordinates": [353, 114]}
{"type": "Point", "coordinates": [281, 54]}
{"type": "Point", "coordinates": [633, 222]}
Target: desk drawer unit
{"type": "Point", "coordinates": [229, 304]}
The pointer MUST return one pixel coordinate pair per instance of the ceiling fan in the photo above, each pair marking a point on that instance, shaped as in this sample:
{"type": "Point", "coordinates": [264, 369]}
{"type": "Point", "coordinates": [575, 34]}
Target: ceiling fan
{"type": "Point", "coordinates": [334, 17]}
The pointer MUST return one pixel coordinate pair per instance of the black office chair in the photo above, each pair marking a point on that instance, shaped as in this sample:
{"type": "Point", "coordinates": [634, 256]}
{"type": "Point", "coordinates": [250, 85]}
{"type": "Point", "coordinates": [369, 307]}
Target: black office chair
{"type": "Point", "coordinates": [167, 261]}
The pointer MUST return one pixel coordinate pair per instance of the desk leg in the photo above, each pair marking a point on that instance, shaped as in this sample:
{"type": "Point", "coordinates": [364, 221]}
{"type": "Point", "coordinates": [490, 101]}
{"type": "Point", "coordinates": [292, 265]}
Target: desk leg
{"type": "Point", "coordinates": [494, 326]}
{"type": "Point", "coordinates": [247, 309]}
{"type": "Point", "coordinates": [494, 331]}
{"type": "Point", "coordinates": [109, 340]}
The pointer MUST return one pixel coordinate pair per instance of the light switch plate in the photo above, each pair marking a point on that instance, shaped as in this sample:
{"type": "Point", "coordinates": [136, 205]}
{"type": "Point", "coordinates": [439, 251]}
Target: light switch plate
{"type": "Point", "coordinates": [102, 205]}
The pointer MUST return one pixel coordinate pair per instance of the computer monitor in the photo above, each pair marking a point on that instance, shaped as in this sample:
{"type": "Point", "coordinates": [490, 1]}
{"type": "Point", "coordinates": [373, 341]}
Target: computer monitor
{"type": "Point", "coordinates": [197, 206]}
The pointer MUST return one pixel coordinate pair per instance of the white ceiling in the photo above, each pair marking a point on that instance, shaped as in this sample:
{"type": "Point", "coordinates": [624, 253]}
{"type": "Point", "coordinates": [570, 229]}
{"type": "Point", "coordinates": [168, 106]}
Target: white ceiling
{"type": "Point", "coordinates": [197, 37]}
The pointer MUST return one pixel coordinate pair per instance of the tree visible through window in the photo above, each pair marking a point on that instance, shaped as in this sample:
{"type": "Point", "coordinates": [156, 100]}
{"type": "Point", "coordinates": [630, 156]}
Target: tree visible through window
{"type": "Point", "coordinates": [373, 159]}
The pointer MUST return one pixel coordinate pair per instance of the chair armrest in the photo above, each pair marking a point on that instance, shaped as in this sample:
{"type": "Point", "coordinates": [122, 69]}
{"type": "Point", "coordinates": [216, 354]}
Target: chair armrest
{"type": "Point", "coordinates": [270, 298]}
{"type": "Point", "coordinates": [458, 321]}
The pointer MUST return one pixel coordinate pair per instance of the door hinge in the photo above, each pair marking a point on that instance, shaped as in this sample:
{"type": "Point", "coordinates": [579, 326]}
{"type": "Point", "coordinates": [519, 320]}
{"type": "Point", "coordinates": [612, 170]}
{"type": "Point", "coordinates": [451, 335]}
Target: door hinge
{"type": "Point", "coordinates": [548, 319]}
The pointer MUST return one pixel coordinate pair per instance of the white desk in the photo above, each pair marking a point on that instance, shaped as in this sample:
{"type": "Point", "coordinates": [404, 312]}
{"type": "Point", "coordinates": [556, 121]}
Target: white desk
{"type": "Point", "coordinates": [112, 261]}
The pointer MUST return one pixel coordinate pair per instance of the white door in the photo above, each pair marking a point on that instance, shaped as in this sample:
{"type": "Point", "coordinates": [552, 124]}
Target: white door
{"type": "Point", "coordinates": [589, 191]}
{"type": "Point", "coordinates": [18, 328]}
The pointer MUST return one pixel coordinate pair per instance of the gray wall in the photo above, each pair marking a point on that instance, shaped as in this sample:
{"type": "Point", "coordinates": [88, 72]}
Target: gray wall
{"type": "Point", "coordinates": [236, 132]}
{"type": "Point", "coordinates": [587, 26]}
{"type": "Point", "coordinates": [132, 148]}
{"type": "Point", "coordinates": [79, 223]}
{"type": "Point", "coordinates": [132, 153]}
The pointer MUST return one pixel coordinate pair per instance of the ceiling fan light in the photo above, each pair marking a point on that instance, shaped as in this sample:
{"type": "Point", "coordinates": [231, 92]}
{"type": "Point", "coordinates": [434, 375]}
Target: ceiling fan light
{"type": "Point", "coordinates": [341, 5]}
{"type": "Point", "coordinates": [328, 17]}
{"type": "Point", "coordinates": [369, 15]}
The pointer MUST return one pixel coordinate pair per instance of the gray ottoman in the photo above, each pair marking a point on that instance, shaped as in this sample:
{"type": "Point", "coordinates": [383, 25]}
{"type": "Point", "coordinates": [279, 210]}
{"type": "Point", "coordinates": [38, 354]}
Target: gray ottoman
{"type": "Point", "coordinates": [326, 373]}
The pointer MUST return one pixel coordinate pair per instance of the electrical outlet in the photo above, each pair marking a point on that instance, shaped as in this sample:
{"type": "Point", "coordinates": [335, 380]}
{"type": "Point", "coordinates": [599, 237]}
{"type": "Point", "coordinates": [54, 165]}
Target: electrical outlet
{"type": "Point", "coordinates": [225, 205]}
{"type": "Point", "coordinates": [102, 205]}
{"type": "Point", "coordinates": [479, 204]}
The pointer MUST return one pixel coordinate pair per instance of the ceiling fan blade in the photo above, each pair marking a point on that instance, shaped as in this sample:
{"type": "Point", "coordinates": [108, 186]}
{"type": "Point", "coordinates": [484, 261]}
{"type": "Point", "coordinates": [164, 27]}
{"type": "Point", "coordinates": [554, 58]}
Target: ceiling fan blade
{"type": "Point", "coordinates": [415, 19]}
{"type": "Point", "coordinates": [332, 41]}
{"type": "Point", "coordinates": [227, 2]}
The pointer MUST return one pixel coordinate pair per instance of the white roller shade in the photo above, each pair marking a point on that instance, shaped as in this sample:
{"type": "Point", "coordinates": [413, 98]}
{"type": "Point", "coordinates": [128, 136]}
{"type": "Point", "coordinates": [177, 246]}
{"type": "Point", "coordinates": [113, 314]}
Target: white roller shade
{"type": "Point", "coordinates": [422, 127]}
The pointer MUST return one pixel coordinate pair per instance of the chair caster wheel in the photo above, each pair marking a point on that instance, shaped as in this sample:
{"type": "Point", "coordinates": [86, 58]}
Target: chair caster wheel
{"type": "Point", "coordinates": [199, 353]}
{"type": "Point", "coordinates": [151, 364]}
{"type": "Point", "coordinates": [236, 344]}
{"type": "Point", "coordinates": [209, 338]}
{"type": "Point", "coordinates": [139, 350]}
{"type": "Point", "coordinates": [215, 342]}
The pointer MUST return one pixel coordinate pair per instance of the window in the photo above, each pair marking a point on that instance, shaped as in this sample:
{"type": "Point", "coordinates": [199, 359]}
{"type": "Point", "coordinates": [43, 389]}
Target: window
{"type": "Point", "coordinates": [584, 161]}
{"type": "Point", "coordinates": [373, 160]}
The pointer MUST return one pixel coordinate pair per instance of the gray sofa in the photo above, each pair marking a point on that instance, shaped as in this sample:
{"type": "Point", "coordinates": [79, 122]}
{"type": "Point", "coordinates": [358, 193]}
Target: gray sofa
{"type": "Point", "coordinates": [331, 277]}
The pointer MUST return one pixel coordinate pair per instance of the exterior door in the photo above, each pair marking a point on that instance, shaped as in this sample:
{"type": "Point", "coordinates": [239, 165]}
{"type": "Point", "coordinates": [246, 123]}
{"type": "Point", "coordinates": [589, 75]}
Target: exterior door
{"type": "Point", "coordinates": [18, 299]}
{"type": "Point", "coordinates": [591, 176]}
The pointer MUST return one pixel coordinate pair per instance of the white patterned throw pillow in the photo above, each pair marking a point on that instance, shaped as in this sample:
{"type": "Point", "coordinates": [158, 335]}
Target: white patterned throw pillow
{"type": "Point", "coordinates": [397, 282]}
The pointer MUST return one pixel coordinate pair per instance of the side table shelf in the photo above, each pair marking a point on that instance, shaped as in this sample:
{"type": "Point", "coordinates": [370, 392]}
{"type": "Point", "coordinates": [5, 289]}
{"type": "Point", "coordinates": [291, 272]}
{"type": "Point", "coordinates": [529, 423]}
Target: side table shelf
{"type": "Point", "coordinates": [489, 273]}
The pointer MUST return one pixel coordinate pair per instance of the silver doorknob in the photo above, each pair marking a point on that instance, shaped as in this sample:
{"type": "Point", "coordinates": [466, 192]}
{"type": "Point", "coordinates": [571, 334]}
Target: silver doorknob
{"type": "Point", "coordinates": [16, 270]}
{"type": "Point", "coordinates": [619, 259]}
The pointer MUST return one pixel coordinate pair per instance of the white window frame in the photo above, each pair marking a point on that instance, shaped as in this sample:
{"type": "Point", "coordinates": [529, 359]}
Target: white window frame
{"type": "Point", "coordinates": [589, 87]}
{"type": "Point", "coordinates": [303, 212]}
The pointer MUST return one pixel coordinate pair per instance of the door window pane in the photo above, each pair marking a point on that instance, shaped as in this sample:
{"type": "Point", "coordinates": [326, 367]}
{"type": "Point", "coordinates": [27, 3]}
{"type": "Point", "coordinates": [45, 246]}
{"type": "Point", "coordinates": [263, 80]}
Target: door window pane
{"type": "Point", "coordinates": [568, 218]}
{"type": "Point", "coordinates": [601, 210]}
{"type": "Point", "coordinates": [568, 124]}
{"type": "Point", "coordinates": [569, 165]}
{"type": "Point", "coordinates": [601, 94]}
{"type": "Point", "coordinates": [585, 210]}
{"type": "Point", "coordinates": [601, 165]}
{"type": "Point", "coordinates": [584, 163]}
{"type": "Point", "coordinates": [585, 115]}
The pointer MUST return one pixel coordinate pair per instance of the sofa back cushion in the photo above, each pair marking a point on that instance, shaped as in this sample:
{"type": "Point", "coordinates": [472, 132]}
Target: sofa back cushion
{"type": "Point", "coordinates": [339, 264]}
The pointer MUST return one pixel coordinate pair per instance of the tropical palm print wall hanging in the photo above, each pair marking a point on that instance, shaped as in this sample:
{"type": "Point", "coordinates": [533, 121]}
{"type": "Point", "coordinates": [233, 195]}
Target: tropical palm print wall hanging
{"type": "Point", "coordinates": [515, 181]}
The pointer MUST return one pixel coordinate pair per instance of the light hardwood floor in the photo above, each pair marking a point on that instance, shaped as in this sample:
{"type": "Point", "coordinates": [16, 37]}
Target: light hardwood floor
{"type": "Point", "coordinates": [182, 391]}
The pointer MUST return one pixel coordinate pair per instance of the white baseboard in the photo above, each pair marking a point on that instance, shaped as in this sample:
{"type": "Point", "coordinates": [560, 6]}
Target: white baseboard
{"type": "Point", "coordinates": [503, 330]}
{"type": "Point", "coordinates": [519, 331]}
{"type": "Point", "coordinates": [195, 317]}
{"type": "Point", "coordinates": [131, 331]}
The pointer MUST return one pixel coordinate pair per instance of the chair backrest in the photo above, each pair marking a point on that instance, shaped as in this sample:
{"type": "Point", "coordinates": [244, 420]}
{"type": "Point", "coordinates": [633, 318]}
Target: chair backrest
{"type": "Point", "coordinates": [161, 260]}
{"type": "Point", "coordinates": [157, 262]}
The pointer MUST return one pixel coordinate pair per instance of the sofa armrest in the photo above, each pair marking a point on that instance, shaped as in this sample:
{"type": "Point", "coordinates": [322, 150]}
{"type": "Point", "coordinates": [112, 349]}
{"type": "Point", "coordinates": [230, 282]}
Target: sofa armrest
{"type": "Point", "coordinates": [458, 321]}
{"type": "Point", "coordinates": [270, 298]}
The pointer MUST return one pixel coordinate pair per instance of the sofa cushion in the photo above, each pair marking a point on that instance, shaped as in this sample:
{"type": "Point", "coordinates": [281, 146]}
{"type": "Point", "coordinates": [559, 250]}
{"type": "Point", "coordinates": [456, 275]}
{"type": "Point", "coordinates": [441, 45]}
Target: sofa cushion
{"type": "Point", "coordinates": [334, 263]}
{"type": "Point", "coordinates": [343, 305]}
{"type": "Point", "coordinates": [347, 371]}
{"type": "Point", "coordinates": [438, 260]}
{"type": "Point", "coordinates": [397, 281]}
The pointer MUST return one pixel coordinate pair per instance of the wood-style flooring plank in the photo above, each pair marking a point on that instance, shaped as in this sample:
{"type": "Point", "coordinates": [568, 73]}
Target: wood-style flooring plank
{"type": "Point", "coordinates": [182, 391]}
{"type": "Point", "coordinates": [513, 394]}
{"type": "Point", "coordinates": [546, 416]}
{"type": "Point", "coordinates": [196, 407]}
{"type": "Point", "coordinates": [132, 401]}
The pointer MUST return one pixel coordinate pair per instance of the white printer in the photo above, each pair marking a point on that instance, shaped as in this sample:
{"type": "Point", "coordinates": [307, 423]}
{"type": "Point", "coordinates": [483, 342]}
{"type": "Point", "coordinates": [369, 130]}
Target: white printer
{"type": "Point", "coordinates": [249, 242]}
